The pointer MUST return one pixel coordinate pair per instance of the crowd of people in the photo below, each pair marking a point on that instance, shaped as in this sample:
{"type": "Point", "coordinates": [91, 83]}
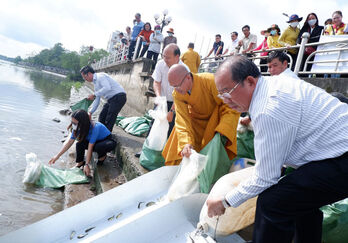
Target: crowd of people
{"type": "Point", "coordinates": [296, 124]}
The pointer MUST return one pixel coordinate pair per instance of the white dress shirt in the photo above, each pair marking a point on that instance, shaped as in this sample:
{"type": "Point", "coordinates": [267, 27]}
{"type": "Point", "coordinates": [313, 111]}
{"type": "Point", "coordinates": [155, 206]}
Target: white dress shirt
{"type": "Point", "coordinates": [294, 123]}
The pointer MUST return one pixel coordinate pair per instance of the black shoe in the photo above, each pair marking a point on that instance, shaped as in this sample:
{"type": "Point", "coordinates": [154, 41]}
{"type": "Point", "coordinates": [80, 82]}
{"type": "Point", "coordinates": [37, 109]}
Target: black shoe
{"type": "Point", "coordinates": [138, 154]}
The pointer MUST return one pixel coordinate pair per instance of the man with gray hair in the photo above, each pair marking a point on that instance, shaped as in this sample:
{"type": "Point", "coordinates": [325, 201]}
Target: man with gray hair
{"type": "Point", "coordinates": [298, 125]}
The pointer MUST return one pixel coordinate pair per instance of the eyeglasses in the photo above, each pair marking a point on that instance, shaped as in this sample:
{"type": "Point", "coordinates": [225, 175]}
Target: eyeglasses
{"type": "Point", "coordinates": [178, 86]}
{"type": "Point", "coordinates": [227, 95]}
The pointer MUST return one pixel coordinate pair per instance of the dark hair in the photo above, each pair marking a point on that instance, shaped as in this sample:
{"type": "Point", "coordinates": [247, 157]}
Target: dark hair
{"type": "Point", "coordinates": [121, 33]}
{"type": "Point", "coordinates": [83, 126]}
{"type": "Point", "coordinates": [278, 54]}
{"type": "Point", "coordinates": [338, 12]}
{"type": "Point", "coordinates": [191, 45]}
{"type": "Point", "coordinates": [218, 35]}
{"type": "Point", "coordinates": [177, 51]}
{"type": "Point", "coordinates": [138, 14]}
{"type": "Point", "coordinates": [327, 21]}
{"type": "Point", "coordinates": [87, 69]}
{"type": "Point", "coordinates": [235, 32]}
{"type": "Point", "coordinates": [306, 22]}
{"type": "Point", "coordinates": [241, 67]}
{"type": "Point", "coordinates": [246, 26]}
{"type": "Point", "coordinates": [340, 96]}
{"type": "Point", "coordinates": [146, 24]}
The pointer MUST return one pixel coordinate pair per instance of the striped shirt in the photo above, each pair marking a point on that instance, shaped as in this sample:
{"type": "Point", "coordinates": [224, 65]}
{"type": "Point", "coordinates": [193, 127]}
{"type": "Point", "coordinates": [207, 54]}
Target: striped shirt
{"type": "Point", "coordinates": [294, 123]}
{"type": "Point", "coordinates": [104, 86]}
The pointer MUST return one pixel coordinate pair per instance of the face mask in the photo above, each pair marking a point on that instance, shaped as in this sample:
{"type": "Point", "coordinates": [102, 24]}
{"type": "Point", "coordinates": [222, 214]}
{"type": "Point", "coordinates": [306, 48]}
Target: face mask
{"type": "Point", "coordinates": [273, 32]}
{"type": "Point", "coordinates": [293, 24]}
{"type": "Point", "coordinates": [170, 34]}
{"type": "Point", "coordinates": [312, 22]}
{"type": "Point", "coordinates": [158, 31]}
{"type": "Point", "coordinates": [74, 126]}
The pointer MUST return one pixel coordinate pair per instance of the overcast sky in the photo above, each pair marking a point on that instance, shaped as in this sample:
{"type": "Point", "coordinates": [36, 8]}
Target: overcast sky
{"type": "Point", "coordinates": [28, 26]}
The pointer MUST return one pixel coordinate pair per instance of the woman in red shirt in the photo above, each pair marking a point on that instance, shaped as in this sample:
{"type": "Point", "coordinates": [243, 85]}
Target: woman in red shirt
{"type": "Point", "coordinates": [145, 38]}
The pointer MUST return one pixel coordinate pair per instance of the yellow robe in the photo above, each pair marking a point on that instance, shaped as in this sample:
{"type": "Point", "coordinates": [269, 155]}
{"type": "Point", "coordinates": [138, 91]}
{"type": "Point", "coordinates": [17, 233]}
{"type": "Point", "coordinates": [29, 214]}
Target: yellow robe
{"type": "Point", "coordinates": [198, 117]}
{"type": "Point", "coordinates": [192, 60]}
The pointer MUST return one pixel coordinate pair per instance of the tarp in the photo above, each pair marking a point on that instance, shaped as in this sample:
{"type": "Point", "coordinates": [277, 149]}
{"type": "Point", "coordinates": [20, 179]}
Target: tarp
{"type": "Point", "coordinates": [218, 163]}
{"type": "Point", "coordinates": [82, 104]}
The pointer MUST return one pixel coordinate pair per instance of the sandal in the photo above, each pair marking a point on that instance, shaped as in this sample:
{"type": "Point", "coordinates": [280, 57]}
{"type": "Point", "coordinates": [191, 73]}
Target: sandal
{"type": "Point", "coordinates": [80, 164]}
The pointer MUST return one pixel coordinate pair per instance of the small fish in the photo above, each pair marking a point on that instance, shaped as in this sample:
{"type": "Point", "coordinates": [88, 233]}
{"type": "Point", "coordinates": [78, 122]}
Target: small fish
{"type": "Point", "coordinates": [139, 204]}
{"type": "Point", "coordinates": [89, 229]}
{"type": "Point", "coordinates": [16, 138]}
{"type": "Point", "coordinates": [72, 234]}
{"type": "Point", "coordinates": [118, 215]}
{"type": "Point", "coordinates": [82, 235]}
{"type": "Point", "coordinates": [149, 204]}
{"type": "Point", "coordinates": [111, 218]}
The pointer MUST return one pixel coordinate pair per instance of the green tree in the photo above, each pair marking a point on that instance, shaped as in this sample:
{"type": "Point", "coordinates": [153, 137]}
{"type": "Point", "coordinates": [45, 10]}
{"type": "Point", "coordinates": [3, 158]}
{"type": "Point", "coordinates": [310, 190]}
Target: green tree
{"type": "Point", "coordinates": [17, 59]}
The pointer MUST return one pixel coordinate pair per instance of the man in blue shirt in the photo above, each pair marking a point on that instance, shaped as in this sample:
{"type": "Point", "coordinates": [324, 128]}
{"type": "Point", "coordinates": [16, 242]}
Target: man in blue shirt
{"type": "Point", "coordinates": [107, 87]}
{"type": "Point", "coordinates": [218, 47]}
{"type": "Point", "coordinates": [138, 26]}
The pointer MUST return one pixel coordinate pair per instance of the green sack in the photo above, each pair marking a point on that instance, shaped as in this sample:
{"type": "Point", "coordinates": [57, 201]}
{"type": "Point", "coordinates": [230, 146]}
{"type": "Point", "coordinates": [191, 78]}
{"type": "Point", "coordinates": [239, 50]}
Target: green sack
{"type": "Point", "coordinates": [335, 223]}
{"type": "Point", "coordinates": [151, 159]}
{"type": "Point", "coordinates": [126, 121]}
{"type": "Point", "coordinates": [138, 127]}
{"type": "Point", "coordinates": [118, 119]}
{"type": "Point", "coordinates": [218, 163]}
{"type": "Point", "coordinates": [56, 178]}
{"type": "Point", "coordinates": [82, 105]}
{"type": "Point", "coordinates": [245, 145]}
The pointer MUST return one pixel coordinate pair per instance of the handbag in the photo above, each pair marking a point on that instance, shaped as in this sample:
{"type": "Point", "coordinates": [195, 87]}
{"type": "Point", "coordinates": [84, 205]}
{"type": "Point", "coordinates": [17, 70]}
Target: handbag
{"type": "Point", "coordinates": [309, 50]}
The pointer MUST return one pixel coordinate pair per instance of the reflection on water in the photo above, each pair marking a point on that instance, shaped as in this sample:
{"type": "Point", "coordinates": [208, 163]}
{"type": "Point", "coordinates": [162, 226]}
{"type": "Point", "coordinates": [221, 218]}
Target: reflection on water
{"type": "Point", "coordinates": [29, 100]}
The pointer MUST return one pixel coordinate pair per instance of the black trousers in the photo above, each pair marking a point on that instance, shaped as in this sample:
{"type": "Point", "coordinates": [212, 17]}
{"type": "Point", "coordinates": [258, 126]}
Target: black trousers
{"type": "Point", "coordinates": [290, 209]}
{"type": "Point", "coordinates": [171, 124]}
{"type": "Point", "coordinates": [144, 50]}
{"type": "Point", "coordinates": [111, 109]}
{"type": "Point", "coordinates": [154, 56]}
{"type": "Point", "coordinates": [263, 68]}
{"type": "Point", "coordinates": [101, 147]}
{"type": "Point", "coordinates": [131, 49]}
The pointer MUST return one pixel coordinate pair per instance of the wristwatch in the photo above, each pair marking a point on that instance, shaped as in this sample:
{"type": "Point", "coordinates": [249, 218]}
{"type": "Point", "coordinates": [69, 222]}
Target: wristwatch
{"type": "Point", "coordinates": [225, 203]}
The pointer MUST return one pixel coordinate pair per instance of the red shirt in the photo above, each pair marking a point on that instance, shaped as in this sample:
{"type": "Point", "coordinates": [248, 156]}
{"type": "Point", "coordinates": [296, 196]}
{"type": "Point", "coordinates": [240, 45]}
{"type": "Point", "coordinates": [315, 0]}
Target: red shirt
{"type": "Point", "coordinates": [146, 34]}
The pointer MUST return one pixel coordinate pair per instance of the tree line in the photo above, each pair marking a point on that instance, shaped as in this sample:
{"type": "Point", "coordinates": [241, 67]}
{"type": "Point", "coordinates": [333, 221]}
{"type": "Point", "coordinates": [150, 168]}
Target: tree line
{"type": "Point", "coordinates": [61, 58]}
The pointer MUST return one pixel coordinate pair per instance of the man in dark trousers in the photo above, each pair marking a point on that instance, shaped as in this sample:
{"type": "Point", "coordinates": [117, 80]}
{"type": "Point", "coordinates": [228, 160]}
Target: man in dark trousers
{"type": "Point", "coordinates": [107, 87]}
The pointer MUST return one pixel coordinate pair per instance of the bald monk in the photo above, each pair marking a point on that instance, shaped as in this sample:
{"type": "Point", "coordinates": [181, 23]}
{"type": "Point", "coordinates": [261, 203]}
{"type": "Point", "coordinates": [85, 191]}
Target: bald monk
{"type": "Point", "coordinates": [200, 113]}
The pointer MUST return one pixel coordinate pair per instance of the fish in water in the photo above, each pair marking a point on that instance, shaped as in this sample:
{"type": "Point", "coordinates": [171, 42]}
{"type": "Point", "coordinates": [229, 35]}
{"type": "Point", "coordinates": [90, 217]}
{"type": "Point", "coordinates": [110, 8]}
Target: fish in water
{"type": "Point", "coordinates": [89, 229]}
{"type": "Point", "coordinates": [16, 138]}
{"type": "Point", "coordinates": [139, 204]}
{"type": "Point", "coordinates": [72, 234]}
{"type": "Point", "coordinates": [118, 215]}
{"type": "Point", "coordinates": [149, 204]}
{"type": "Point", "coordinates": [111, 218]}
{"type": "Point", "coordinates": [56, 119]}
{"type": "Point", "coordinates": [82, 235]}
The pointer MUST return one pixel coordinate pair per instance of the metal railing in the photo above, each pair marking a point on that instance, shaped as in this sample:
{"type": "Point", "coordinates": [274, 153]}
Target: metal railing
{"type": "Point", "coordinates": [211, 64]}
{"type": "Point", "coordinates": [117, 57]}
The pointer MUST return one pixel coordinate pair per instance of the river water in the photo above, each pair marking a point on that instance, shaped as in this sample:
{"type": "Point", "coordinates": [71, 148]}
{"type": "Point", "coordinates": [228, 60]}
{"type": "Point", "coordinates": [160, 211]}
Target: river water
{"type": "Point", "coordinates": [29, 100]}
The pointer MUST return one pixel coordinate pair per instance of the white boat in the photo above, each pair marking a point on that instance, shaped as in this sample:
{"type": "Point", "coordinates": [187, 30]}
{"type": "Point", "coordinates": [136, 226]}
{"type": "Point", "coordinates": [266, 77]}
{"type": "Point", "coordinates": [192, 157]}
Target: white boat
{"type": "Point", "coordinates": [132, 212]}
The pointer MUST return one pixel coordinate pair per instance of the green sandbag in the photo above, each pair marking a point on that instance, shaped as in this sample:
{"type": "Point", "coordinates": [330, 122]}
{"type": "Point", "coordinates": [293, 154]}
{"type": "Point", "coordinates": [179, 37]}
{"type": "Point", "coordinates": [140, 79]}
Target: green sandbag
{"type": "Point", "coordinates": [218, 163]}
{"type": "Point", "coordinates": [118, 119]}
{"type": "Point", "coordinates": [245, 145]}
{"type": "Point", "coordinates": [82, 105]}
{"type": "Point", "coordinates": [335, 223]}
{"type": "Point", "coordinates": [56, 178]}
{"type": "Point", "coordinates": [126, 121]}
{"type": "Point", "coordinates": [151, 159]}
{"type": "Point", "coordinates": [138, 127]}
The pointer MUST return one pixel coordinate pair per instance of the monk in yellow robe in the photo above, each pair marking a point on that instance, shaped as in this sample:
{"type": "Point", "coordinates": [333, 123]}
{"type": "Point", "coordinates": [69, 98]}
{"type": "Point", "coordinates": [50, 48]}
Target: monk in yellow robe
{"type": "Point", "coordinates": [200, 113]}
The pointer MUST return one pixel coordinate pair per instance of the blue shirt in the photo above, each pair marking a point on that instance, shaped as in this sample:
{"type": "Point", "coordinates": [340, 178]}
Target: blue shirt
{"type": "Point", "coordinates": [104, 86]}
{"type": "Point", "coordinates": [136, 29]}
{"type": "Point", "coordinates": [96, 133]}
{"type": "Point", "coordinates": [294, 123]}
{"type": "Point", "coordinates": [216, 47]}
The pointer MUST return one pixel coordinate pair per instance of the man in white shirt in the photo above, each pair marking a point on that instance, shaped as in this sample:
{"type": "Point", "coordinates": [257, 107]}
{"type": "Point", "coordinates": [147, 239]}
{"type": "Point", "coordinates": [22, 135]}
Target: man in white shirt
{"type": "Point", "coordinates": [231, 49]}
{"type": "Point", "coordinates": [295, 124]}
{"type": "Point", "coordinates": [249, 41]}
{"type": "Point", "coordinates": [161, 86]}
{"type": "Point", "coordinates": [107, 87]}
{"type": "Point", "coordinates": [277, 62]}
